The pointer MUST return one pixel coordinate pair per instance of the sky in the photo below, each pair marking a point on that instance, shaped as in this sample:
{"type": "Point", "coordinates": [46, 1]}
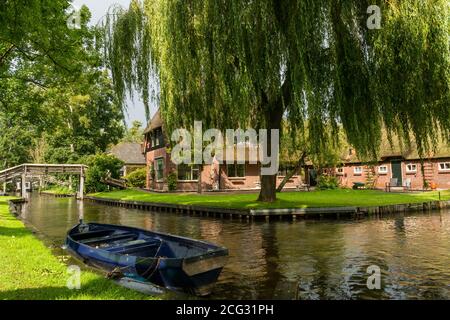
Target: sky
{"type": "Point", "coordinates": [99, 8]}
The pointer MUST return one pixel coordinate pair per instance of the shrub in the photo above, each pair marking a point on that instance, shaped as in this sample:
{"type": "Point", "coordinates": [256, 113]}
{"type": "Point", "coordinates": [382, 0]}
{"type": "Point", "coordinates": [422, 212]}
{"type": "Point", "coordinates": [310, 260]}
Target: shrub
{"type": "Point", "coordinates": [137, 178]}
{"type": "Point", "coordinates": [326, 182]}
{"type": "Point", "coordinates": [172, 181]}
{"type": "Point", "coordinates": [99, 167]}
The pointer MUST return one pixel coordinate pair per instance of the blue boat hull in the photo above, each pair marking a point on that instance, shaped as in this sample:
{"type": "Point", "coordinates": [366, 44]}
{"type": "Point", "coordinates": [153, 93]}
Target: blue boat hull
{"type": "Point", "coordinates": [169, 261]}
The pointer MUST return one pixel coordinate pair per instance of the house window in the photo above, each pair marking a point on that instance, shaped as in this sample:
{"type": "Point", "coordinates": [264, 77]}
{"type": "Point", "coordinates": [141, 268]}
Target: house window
{"type": "Point", "coordinates": [340, 171]}
{"type": "Point", "coordinates": [157, 138]}
{"type": "Point", "coordinates": [357, 170]}
{"type": "Point", "coordinates": [411, 167]}
{"type": "Point", "coordinates": [382, 169]}
{"type": "Point", "coordinates": [187, 172]}
{"type": "Point", "coordinates": [444, 166]}
{"type": "Point", "coordinates": [159, 169]}
{"type": "Point", "coordinates": [236, 170]}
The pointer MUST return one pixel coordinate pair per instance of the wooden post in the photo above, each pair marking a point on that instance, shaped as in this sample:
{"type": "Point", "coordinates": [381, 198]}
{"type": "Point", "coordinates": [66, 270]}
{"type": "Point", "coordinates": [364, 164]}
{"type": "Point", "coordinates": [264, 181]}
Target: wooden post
{"type": "Point", "coordinates": [4, 187]}
{"type": "Point", "coordinates": [41, 183]}
{"type": "Point", "coordinates": [81, 191]}
{"type": "Point", "coordinates": [23, 187]}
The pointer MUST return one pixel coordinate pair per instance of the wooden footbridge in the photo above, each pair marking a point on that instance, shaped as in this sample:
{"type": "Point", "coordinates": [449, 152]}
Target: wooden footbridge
{"type": "Point", "coordinates": [29, 170]}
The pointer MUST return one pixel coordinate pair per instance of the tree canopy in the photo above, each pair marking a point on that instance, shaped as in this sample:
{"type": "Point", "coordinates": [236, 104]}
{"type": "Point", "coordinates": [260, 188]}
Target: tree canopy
{"type": "Point", "coordinates": [253, 63]}
{"type": "Point", "coordinates": [56, 98]}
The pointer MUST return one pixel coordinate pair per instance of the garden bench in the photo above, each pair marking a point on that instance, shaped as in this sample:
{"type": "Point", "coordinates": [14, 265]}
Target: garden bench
{"type": "Point", "coordinates": [358, 185]}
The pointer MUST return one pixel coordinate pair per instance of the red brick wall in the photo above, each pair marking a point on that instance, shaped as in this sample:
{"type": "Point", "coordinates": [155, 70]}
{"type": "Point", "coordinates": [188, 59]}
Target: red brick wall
{"type": "Point", "coordinates": [150, 157]}
{"type": "Point", "coordinates": [441, 178]}
{"type": "Point", "coordinates": [250, 181]}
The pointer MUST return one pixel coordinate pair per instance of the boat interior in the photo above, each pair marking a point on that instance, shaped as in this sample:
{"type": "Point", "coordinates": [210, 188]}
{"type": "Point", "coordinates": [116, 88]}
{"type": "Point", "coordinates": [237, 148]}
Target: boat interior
{"type": "Point", "coordinates": [125, 242]}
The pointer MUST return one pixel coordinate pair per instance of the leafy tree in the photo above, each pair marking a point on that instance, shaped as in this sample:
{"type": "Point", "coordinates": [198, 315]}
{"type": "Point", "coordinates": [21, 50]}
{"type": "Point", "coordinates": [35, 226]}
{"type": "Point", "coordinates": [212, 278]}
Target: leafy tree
{"type": "Point", "coordinates": [296, 149]}
{"type": "Point", "coordinates": [327, 182]}
{"type": "Point", "coordinates": [100, 167]}
{"type": "Point", "coordinates": [137, 178]}
{"type": "Point", "coordinates": [53, 86]}
{"type": "Point", "coordinates": [87, 119]}
{"type": "Point", "coordinates": [135, 133]}
{"type": "Point", "coordinates": [256, 62]}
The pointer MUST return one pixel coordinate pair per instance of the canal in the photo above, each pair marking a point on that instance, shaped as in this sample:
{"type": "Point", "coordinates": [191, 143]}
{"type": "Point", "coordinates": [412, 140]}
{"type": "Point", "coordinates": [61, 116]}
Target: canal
{"type": "Point", "coordinates": [282, 260]}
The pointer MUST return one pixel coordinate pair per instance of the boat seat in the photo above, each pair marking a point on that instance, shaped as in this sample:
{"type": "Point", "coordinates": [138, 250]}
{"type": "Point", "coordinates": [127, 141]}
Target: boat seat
{"type": "Point", "coordinates": [135, 247]}
{"type": "Point", "coordinates": [121, 236]}
{"type": "Point", "coordinates": [92, 234]}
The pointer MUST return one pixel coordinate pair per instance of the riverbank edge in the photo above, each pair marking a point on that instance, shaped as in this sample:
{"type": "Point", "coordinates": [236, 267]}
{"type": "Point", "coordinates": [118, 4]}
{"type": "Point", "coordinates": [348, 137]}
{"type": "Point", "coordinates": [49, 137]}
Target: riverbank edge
{"type": "Point", "coordinates": [316, 213]}
{"type": "Point", "coordinates": [57, 195]}
{"type": "Point", "coordinates": [47, 279]}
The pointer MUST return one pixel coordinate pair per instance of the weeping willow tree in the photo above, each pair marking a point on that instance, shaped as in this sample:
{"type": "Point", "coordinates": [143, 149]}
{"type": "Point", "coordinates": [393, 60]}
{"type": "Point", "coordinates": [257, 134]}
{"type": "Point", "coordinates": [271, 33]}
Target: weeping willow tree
{"type": "Point", "coordinates": [255, 63]}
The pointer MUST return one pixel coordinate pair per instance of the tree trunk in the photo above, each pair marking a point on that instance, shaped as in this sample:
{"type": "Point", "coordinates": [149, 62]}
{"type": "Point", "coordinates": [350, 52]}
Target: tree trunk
{"type": "Point", "coordinates": [199, 184]}
{"type": "Point", "coordinates": [292, 172]}
{"type": "Point", "coordinates": [268, 186]}
{"type": "Point", "coordinates": [269, 182]}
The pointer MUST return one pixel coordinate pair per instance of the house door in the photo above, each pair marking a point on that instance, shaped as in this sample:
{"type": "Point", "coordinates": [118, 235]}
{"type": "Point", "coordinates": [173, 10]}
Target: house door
{"type": "Point", "coordinates": [312, 175]}
{"type": "Point", "coordinates": [397, 171]}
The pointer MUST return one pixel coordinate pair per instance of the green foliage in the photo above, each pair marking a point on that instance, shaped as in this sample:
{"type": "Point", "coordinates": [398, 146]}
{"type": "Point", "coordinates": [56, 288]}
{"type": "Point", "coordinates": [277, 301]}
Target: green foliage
{"type": "Point", "coordinates": [56, 100]}
{"type": "Point", "coordinates": [137, 178]}
{"type": "Point", "coordinates": [328, 154]}
{"type": "Point", "coordinates": [172, 181]}
{"type": "Point", "coordinates": [327, 182]}
{"type": "Point", "coordinates": [127, 44]}
{"type": "Point", "coordinates": [86, 119]}
{"type": "Point", "coordinates": [237, 63]}
{"type": "Point", "coordinates": [100, 166]}
{"type": "Point", "coordinates": [135, 133]}
{"type": "Point", "coordinates": [58, 190]}
{"type": "Point", "coordinates": [334, 70]}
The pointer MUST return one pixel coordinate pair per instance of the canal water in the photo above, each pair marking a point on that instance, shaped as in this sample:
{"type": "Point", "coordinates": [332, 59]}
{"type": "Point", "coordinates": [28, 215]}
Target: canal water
{"type": "Point", "coordinates": [288, 260]}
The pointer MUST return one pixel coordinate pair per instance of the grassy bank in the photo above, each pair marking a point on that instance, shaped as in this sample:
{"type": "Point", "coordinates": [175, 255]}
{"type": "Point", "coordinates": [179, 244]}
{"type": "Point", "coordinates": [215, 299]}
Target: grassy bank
{"type": "Point", "coordinates": [28, 269]}
{"type": "Point", "coordinates": [59, 190]}
{"type": "Point", "coordinates": [328, 198]}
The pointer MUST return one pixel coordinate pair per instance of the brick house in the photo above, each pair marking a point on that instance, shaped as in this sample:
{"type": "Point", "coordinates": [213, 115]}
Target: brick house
{"type": "Point", "coordinates": [214, 177]}
{"type": "Point", "coordinates": [131, 155]}
{"type": "Point", "coordinates": [405, 166]}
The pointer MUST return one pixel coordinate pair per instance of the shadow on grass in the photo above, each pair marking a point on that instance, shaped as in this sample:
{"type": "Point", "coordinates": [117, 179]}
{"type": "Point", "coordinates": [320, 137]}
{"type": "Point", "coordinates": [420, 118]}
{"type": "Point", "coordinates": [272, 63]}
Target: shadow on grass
{"type": "Point", "coordinates": [16, 232]}
{"type": "Point", "coordinates": [94, 289]}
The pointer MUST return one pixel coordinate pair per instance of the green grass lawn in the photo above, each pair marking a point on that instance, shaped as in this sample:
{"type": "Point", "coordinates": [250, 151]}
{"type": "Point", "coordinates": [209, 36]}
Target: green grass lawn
{"type": "Point", "coordinates": [59, 190]}
{"type": "Point", "coordinates": [28, 269]}
{"type": "Point", "coordinates": [328, 198]}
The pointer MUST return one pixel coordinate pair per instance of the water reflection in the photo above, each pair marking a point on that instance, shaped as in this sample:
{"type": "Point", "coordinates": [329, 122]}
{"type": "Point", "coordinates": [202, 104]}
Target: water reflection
{"type": "Point", "coordinates": [282, 260]}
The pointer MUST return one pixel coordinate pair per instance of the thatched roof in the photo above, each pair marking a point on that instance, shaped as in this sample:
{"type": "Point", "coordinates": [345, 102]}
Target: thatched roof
{"type": "Point", "coordinates": [128, 152]}
{"type": "Point", "coordinates": [156, 122]}
{"type": "Point", "coordinates": [397, 150]}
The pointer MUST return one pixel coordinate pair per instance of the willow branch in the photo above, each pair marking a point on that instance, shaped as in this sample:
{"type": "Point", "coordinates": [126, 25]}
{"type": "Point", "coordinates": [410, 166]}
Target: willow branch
{"type": "Point", "coordinates": [7, 52]}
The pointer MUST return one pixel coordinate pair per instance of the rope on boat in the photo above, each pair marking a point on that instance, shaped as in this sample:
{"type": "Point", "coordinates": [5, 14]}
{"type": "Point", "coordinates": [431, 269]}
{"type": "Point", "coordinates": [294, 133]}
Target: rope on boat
{"type": "Point", "coordinates": [118, 273]}
{"type": "Point", "coordinates": [156, 266]}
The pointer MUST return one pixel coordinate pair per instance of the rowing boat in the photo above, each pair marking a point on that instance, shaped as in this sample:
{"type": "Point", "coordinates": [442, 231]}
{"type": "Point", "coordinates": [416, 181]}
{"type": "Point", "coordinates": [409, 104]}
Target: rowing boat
{"type": "Point", "coordinates": [173, 262]}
